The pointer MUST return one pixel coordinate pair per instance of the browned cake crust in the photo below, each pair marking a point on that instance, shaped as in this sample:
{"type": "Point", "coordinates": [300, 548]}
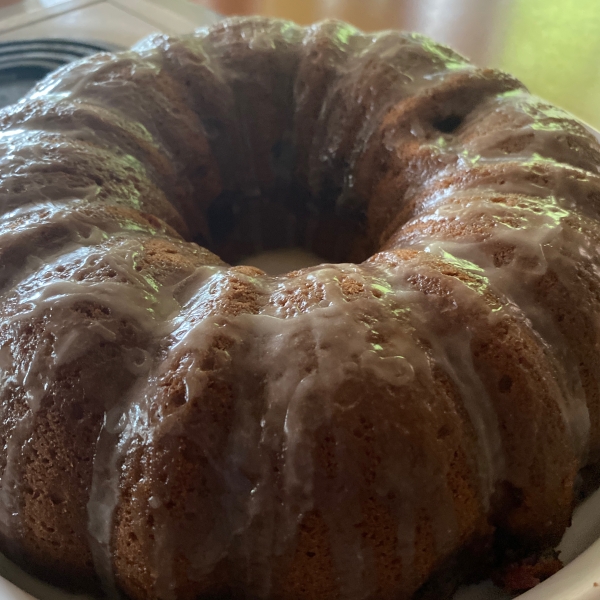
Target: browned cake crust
{"type": "Point", "coordinates": [383, 427]}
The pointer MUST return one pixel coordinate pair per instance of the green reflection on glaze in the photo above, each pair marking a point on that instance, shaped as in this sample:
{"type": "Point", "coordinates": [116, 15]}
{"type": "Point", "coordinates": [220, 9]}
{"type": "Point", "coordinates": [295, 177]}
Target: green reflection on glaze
{"type": "Point", "coordinates": [151, 282]}
{"type": "Point", "coordinates": [461, 263]}
{"type": "Point", "coordinates": [130, 225]}
{"type": "Point", "coordinates": [344, 33]}
{"type": "Point", "coordinates": [511, 93]}
{"type": "Point", "coordinates": [381, 288]}
{"type": "Point", "coordinates": [547, 126]}
{"type": "Point", "coordinates": [289, 30]}
{"type": "Point", "coordinates": [130, 163]}
{"type": "Point", "coordinates": [450, 62]}
{"type": "Point", "coordinates": [470, 158]}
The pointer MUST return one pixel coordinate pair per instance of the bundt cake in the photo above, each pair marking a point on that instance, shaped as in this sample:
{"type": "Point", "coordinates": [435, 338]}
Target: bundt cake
{"type": "Point", "coordinates": [381, 426]}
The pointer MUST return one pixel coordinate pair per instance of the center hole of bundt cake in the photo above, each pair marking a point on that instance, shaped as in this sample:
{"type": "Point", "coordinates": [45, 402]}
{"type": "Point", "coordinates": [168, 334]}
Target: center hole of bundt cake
{"type": "Point", "coordinates": [448, 124]}
{"type": "Point", "coordinates": [284, 260]}
{"type": "Point", "coordinates": [283, 231]}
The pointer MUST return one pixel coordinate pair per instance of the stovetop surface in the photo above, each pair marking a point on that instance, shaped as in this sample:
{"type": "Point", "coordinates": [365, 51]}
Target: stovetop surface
{"type": "Point", "coordinates": [25, 62]}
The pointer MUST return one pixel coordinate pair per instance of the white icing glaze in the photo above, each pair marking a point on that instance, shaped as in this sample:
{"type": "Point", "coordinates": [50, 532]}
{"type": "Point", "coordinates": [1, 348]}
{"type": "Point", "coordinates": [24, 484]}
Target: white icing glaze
{"type": "Point", "coordinates": [286, 425]}
{"type": "Point", "coordinates": [535, 229]}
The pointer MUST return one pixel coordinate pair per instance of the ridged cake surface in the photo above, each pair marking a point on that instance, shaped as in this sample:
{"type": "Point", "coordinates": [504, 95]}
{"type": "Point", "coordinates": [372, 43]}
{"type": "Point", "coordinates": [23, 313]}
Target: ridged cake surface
{"type": "Point", "coordinates": [178, 428]}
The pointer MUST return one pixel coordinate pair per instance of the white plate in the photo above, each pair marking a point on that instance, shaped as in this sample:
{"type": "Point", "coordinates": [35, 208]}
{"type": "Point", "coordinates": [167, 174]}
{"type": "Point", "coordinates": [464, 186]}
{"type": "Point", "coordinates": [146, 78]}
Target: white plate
{"type": "Point", "coordinates": [579, 550]}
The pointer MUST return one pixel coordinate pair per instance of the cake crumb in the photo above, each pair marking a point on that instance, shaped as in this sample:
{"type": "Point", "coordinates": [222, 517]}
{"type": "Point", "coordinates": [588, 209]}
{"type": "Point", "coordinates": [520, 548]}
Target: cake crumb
{"type": "Point", "coordinates": [527, 573]}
